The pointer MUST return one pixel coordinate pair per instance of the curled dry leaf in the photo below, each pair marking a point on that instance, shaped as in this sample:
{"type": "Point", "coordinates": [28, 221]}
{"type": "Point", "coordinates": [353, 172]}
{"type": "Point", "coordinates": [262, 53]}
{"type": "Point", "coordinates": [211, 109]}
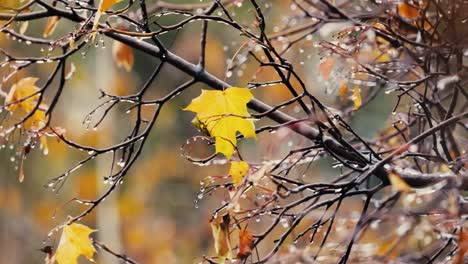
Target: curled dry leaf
{"type": "Point", "coordinates": [238, 170]}
{"type": "Point", "coordinates": [223, 114]}
{"type": "Point", "coordinates": [51, 24]}
{"type": "Point", "coordinates": [122, 55]}
{"type": "Point", "coordinates": [220, 231]}
{"type": "Point", "coordinates": [246, 243]}
{"type": "Point", "coordinates": [74, 242]}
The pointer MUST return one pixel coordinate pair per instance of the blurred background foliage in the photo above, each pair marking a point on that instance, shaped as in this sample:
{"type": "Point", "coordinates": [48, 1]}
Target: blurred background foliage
{"type": "Point", "coordinates": [156, 211]}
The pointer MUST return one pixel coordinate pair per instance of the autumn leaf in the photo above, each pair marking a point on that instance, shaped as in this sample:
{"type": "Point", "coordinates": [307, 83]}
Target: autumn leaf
{"type": "Point", "coordinates": [462, 247]}
{"type": "Point", "coordinates": [37, 121]}
{"type": "Point", "coordinates": [357, 100]}
{"type": "Point", "coordinates": [123, 55]}
{"type": "Point", "coordinates": [238, 170]}
{"type": "Point", "coordinates": [220, 231]}
{"type": "Point", "coordinates": [223, 114]}
{"type": "Point", "coordinates": [246, 243]}
{"type": "Point", "coordinates": [408, 11]}
{"type": "Point", "coordinates": [22, 94]}
{"type": "Point", "coordinates": [398, 184]}
{"type": "Point", "coordinates": [52, 23]}
{"type": "Point", "coordinates": [74, 242]}
{"type": "Point", "coordinates": [104, 5]}
{"type": "Point", "coordinates": [343, 91]}
{"type": "Point", "coordinates": [23, 98]}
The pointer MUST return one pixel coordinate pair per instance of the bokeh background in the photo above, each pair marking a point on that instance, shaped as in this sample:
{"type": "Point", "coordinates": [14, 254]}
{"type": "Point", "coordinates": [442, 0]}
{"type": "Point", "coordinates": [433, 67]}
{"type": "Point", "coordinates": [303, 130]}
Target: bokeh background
{"type": "Point", "coordinates": [155, 216]}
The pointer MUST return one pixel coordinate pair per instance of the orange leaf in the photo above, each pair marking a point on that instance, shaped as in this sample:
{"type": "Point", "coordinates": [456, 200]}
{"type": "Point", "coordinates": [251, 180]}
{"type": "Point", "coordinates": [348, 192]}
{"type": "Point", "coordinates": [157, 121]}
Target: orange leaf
{"type": "Point", "coordinates": [104, 5]}
{"type": "Point", "coordinates": [52, 23]}
{"type": "Point", "coordinates": [462, 247]}
{"type": "Point", "coordinates": [343, 91]}
{"type": "Point", "coordinates": [245, 244]}
{"type": "Point", "coordinates": [408, 11]}
{"type": "Point", "coordinates": [123, 55]}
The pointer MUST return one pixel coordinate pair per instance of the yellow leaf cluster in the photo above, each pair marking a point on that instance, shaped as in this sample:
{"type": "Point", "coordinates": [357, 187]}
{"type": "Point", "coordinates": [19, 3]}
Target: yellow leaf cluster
{"type": "Point", "coordinates": [23, 98]}
{"type": "Point", "coordinates": [223, 114]}
{"type": "Point", "coordinates": [238, 170]}
{"type": "Point", "coordinates": [122, 55]}
{"type": "Point", "coordinates": [74, 242]}
{"type": "Point", "coordinates": [23, 95]}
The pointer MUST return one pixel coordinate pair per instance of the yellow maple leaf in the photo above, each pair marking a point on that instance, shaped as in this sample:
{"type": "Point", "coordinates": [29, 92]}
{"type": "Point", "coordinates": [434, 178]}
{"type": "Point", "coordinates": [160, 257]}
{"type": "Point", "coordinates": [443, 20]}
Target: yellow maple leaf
{"type": "Point", "coordinates": [238, 170]}
{"type": "Point", "coordinates": [73, 243]}
{"type": "Point", "coordinates": [223, 114]}
{"type": "Point", "coordinates": [24, 88]}
{"type": "Point", "coordinates": [22, 99]}
{"type": "Point", "coordinates": [123, 55]}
